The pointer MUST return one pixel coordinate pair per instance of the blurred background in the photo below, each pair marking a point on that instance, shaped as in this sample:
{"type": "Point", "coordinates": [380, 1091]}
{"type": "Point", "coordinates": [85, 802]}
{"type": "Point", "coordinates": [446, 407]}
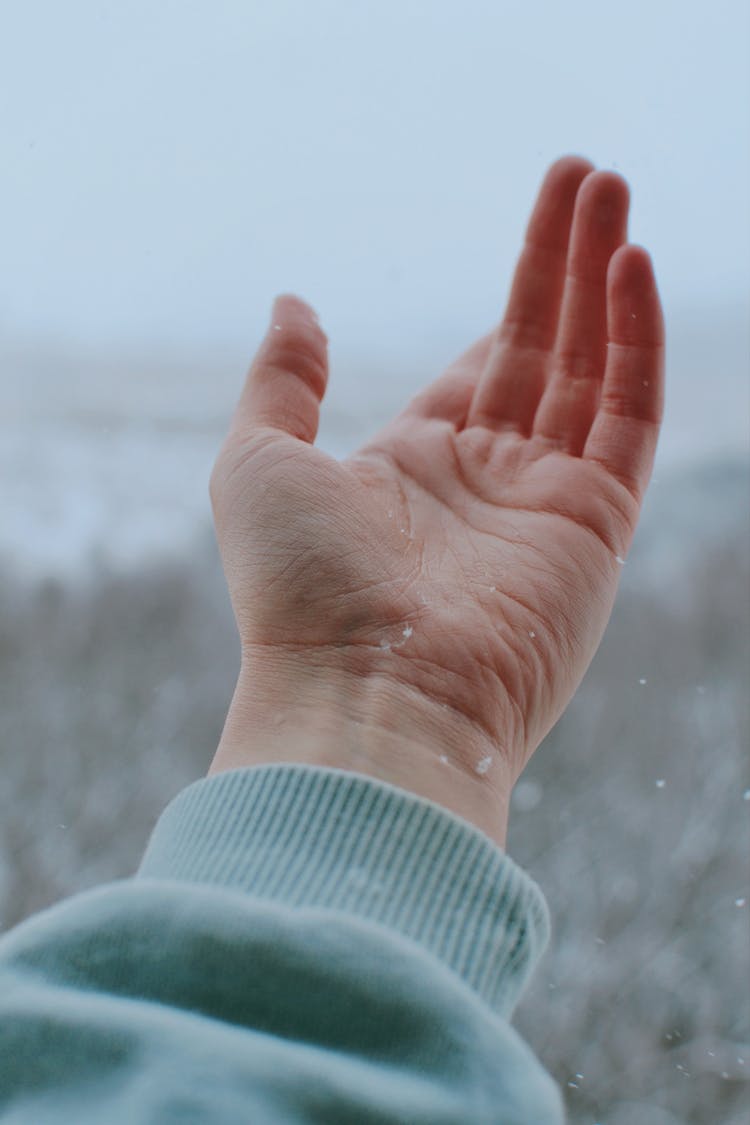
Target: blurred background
{"type": "Point", "coordinates": [168, 168]}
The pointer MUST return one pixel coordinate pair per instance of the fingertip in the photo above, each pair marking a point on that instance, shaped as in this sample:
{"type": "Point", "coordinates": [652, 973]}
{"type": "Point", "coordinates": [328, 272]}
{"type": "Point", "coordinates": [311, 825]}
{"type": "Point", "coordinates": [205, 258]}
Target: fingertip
{"type": "Point", "coordinates": [634, 259]}
{"type": "Point", "coordinates": [549, 224]}
{"type": "Point", "coordinates": [565, 177]}
{"type": "Point", "coordinates": [634, 307]}
{"type": "Point", "coordinates": [608, 193]}
{"type": "Point", "coordinates": [290, 308]}
{"type": "Point", "coordinates": [630, 274]}
{"type": "Point", "coordinates": [572, 164]}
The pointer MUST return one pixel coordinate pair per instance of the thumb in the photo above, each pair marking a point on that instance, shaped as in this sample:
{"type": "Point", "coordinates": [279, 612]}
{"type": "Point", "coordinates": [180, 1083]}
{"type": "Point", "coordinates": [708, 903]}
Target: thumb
{"type": "Point", "coordinates": [288, 377]}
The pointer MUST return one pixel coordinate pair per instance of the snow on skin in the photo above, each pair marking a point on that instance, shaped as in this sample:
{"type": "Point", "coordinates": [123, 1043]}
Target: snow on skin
{"type": "Point", "coordinates": [388, 645]}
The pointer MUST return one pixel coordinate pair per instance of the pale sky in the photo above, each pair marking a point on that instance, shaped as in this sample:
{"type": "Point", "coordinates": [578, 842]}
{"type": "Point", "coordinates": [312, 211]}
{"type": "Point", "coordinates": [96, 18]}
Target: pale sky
{"type": "Point", "coordinates": [169, 166]}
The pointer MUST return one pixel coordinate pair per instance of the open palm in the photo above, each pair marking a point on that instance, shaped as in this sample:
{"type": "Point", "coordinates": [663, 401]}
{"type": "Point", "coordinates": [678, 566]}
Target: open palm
{"type": "Point", "coordinates": [471, 550]}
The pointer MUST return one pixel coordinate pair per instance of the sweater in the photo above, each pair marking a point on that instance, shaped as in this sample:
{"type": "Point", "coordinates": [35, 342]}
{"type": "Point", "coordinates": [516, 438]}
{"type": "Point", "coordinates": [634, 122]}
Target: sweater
{"type": "Point", "coordinates": [299, 944]}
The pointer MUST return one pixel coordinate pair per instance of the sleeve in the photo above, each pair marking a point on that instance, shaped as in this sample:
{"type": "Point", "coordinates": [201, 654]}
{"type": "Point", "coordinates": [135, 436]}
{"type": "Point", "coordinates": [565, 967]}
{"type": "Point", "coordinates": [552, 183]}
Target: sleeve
{"type": "Point", "coordinates": [299, 944]}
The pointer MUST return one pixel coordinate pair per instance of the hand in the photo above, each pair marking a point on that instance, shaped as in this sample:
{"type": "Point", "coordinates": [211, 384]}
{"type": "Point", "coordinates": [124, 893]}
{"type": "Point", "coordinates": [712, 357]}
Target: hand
{"type": "Point", "coordinates": [448, 585]}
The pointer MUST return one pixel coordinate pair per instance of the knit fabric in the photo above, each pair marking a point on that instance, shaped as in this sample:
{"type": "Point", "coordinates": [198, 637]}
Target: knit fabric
{"type": "Point", "coordinates": [299, 944]}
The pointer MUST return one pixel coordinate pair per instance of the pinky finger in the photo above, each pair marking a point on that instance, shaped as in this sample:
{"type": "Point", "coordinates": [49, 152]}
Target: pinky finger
{"type": "Point", "coordinates": [625, 430]}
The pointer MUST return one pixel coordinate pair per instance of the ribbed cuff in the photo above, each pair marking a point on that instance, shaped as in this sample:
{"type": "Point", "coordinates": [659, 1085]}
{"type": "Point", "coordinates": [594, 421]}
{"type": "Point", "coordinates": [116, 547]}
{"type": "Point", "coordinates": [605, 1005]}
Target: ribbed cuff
{"type": "Point", "coordinates": [317, 836]}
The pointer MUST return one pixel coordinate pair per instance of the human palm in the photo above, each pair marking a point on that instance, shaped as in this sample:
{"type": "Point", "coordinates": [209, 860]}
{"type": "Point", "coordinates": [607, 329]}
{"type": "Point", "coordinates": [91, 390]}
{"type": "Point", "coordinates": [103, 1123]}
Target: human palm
{"type": "Point", "coordinates": [471, 550]}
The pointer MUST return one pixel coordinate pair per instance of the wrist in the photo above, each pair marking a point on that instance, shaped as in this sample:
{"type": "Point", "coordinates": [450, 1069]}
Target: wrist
{"type": "Point", "coordinates": [299, 707]}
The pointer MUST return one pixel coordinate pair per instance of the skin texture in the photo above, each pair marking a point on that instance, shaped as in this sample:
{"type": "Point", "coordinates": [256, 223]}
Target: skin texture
{"type": "Point", "coordinates": [424, 610]}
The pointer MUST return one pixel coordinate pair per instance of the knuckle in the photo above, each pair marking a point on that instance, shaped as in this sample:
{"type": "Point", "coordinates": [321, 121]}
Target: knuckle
{"type": "Point", "coordinates": [306, 362]}
{"type": "Point", "coordinates": [529, 335]}
{"type": "Point", "coordinates": [575, 364]}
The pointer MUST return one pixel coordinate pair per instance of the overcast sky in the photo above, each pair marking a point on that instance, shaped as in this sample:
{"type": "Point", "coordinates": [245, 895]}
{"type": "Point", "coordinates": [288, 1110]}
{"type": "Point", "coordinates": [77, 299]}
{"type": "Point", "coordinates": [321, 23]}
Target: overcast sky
{"type": "Point", "coordinates": [169, 166]}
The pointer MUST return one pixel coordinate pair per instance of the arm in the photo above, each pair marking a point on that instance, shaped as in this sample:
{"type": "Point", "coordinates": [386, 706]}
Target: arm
{"type": "Point", "coordinates": [327, 927]}
{"type": "Point", "coordinates": [298, 945]}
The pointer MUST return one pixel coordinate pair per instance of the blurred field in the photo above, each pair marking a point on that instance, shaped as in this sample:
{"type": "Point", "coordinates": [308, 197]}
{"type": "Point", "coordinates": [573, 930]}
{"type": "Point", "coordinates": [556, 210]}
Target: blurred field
{"type": "Point", "coordinates": [634, 816]}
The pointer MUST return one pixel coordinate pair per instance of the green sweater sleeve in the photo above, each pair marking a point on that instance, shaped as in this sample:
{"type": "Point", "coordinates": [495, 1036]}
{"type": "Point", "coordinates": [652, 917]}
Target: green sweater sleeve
{"type": "Point", "coordinates": [299, 944]}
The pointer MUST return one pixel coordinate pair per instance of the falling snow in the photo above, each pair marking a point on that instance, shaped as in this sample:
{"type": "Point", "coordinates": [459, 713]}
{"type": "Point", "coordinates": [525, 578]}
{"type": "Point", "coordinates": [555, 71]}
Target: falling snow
{"type": "Point", "coordinates": [660, 783]}
{"type": "Point", "coordinates": [526, 795]}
